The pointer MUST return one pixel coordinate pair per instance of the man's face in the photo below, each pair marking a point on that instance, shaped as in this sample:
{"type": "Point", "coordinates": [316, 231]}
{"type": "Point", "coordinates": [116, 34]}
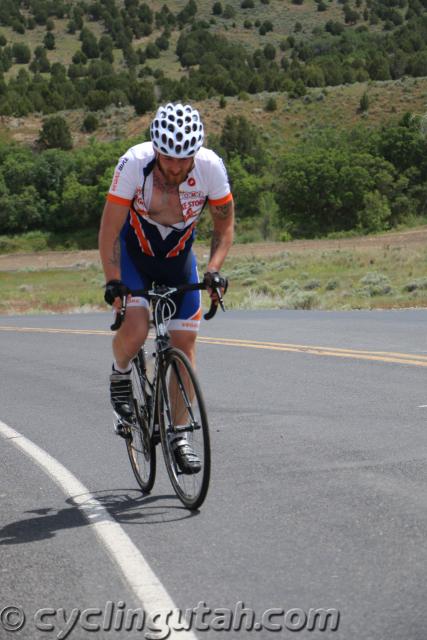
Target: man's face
{"type": "Point", "coordinates": [175, 170]}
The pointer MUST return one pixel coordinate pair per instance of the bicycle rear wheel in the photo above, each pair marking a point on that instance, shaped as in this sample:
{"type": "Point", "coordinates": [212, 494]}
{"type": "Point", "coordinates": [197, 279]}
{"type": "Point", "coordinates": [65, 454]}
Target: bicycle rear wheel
{"type": "Point", "coordinates": [182, 411]}
{"type": "Point", "coordinates": [140, 445]}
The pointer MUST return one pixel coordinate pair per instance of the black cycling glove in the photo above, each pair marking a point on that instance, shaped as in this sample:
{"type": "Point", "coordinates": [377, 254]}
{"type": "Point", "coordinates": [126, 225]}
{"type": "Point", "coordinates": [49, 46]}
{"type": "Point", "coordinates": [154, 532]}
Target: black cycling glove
{"type": "Point", "coordinates": [114, 289]}
{"type": "Point", "coordinates": [215, 280]}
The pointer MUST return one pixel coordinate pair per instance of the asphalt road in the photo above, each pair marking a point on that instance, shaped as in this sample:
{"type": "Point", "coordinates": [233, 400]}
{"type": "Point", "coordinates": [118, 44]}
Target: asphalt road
{"type": "Point", "coordinates": [318, 489]}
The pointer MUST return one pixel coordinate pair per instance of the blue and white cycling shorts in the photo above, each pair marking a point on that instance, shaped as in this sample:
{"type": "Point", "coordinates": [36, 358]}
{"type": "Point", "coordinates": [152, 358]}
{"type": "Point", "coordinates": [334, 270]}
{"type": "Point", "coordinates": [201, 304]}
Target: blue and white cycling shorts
{"type": "Point", "coordinates": [140, 272]}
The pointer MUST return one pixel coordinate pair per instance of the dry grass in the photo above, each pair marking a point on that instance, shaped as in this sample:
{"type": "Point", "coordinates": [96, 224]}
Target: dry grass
{"type": "Point", "coordinates": [310, 275]}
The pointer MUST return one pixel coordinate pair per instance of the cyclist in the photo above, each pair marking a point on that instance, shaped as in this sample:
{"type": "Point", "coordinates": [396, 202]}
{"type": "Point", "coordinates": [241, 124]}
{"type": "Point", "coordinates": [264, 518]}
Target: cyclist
{"type": "Point", "coordinates": [157, 195]}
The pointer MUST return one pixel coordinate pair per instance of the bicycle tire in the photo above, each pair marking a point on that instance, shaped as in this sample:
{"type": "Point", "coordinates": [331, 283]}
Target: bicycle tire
{"type": "Point", "coordinates": [191, 489]}
{"type": "Point", "coordinates": [139, 443]}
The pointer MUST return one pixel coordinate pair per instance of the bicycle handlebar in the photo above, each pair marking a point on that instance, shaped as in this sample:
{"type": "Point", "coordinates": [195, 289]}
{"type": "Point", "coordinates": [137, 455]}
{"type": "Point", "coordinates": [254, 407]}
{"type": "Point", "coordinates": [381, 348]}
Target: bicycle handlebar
{"type": "Point", "coordinates": [156, 292]}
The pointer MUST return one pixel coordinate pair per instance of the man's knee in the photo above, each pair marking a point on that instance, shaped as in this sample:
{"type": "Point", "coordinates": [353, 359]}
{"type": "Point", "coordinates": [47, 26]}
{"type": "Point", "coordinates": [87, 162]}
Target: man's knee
{"type": "Point", "coordinates": [133, 332]}
{"type": "Point", "coordinates": [186, 342]}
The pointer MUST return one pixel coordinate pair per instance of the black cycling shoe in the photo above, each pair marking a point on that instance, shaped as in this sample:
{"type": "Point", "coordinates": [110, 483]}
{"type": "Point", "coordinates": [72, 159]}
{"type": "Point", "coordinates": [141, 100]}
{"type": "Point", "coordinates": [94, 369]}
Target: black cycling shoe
{"type": "Point", "coordinates": [187, 460]}
{"type": "Point", "coordinates": [121, 394]}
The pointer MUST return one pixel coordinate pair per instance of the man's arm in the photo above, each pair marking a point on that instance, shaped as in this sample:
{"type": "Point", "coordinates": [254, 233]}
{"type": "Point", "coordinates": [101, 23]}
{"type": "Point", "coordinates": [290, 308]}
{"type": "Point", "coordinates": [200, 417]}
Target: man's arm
{"type": "Point", "coordinates": [113, 219]}
{"type": "Point", "coordinates": [222, 234]}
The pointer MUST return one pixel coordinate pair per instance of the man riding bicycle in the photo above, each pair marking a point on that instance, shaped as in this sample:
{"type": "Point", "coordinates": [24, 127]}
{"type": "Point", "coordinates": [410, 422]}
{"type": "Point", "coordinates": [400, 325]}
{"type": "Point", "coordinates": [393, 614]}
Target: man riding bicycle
{"type": "Point", "coordinates": [157, 195]}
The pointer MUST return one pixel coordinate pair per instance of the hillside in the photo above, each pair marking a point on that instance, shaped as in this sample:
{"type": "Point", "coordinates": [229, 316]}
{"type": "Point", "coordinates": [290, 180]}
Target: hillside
{"type": "Point", "coordinates": [292, 120]}
{"type": "Point", "coordinates": [316, 107]}
{"type": "Point", "coordinates": [72, 55]}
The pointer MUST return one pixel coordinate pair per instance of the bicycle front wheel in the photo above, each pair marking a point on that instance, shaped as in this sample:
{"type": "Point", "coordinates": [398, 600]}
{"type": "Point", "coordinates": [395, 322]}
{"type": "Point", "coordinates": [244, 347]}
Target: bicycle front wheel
{"type": "Point", "coordinates": [182, 412]}
{"type": "Point", "coordinates": [140, 445]}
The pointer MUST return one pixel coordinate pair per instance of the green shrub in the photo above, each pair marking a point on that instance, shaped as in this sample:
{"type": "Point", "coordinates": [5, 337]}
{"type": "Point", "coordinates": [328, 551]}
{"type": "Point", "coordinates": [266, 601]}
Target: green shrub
{"type": "Point", "coordinates": [375, 284]}
{"type": "Point", "coordinates": [331, 285]}
{"type": "Point", "coordinates": [271, 105]}
{"type": "Point", "coordinates": [312, 284]}
{"type": "Point", "coordinates": [289, 285]}
{"type": "Point", "coordinates": [414, 285]}
{"type": "Point", "coordinates": [55, 133]}
{"type": "Point", "coordinates": [90, 123]}
{"type": "Point", "coordinates": [300, 300]}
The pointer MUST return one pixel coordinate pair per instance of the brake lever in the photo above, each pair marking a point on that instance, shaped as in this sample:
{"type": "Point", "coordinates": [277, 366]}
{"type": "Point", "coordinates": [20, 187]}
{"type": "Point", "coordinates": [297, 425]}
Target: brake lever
{"type": "Point", "coordinates": [120, 315]}
{"type": "Point", "coordinates": [220, 298]}
{"type": "Point", "coordinates": [214, 305]}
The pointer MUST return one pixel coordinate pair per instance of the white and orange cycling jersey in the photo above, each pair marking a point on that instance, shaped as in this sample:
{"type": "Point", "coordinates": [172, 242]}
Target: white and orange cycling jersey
{"type": "Point", "coordinates": [132, 186]}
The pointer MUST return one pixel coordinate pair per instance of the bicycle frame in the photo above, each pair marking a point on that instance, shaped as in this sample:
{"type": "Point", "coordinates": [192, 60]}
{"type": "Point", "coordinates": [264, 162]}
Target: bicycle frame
{"type": "Point", "coordinates": [162, 342]}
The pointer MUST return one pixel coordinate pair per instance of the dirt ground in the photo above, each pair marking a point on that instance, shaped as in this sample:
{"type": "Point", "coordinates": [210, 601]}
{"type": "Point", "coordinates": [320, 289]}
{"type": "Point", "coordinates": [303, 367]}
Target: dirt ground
{"type": "Point", "coordinates": [75, 259]}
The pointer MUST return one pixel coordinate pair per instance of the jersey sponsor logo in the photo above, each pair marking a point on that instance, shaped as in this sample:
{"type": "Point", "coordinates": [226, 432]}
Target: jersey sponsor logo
{"type": "Point", "coordinates": [187, 195]}
{"type": "Point", "coordinates": [193, 204]}
{"type": "Point", "coordinates": [190, 325]}
{"type": "Point", "coordinates": [122, 164]}
{"type": "Point", "coordinates": [115, 180]}
{"type": "Point", "coordinates": [191, 182]}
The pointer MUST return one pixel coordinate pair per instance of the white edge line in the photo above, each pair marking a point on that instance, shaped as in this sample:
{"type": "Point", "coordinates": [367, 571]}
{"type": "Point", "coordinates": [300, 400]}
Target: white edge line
{"type": "Point", "coordinates": [135, 569]}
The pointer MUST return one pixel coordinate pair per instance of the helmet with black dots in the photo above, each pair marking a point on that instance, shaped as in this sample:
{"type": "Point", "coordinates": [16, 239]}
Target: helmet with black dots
{"type": "Point", "coordinates": [177, 131]}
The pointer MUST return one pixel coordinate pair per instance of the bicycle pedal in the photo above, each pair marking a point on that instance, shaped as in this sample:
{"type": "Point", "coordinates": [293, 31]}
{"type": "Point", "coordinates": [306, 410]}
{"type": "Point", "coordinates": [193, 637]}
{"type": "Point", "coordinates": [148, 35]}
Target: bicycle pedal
{"type": "Point", "coordinates": [122, 429]}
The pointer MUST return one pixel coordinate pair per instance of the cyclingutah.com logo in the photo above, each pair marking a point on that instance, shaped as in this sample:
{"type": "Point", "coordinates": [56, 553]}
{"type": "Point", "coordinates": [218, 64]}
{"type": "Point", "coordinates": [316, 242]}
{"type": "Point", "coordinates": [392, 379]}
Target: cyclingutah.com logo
{"type": "Point", "coordinates": [158, 625]}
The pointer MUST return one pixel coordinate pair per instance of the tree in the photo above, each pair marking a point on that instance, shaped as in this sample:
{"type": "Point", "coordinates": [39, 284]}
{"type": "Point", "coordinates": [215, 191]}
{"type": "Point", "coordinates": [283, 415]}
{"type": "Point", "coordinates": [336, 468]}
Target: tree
{"type": "Point", "coordinates": [217, 8]}
{"type": "Point", "coordinates": [143, 98]}
{"type": "Point", "coordinates": [229, 12]}
{"type": "Point", "coordinates": [325, 189]}
{"type": "Point", "coordinates": [240, 138]}
{"type": "Point", "coordinates": [49, 41]}
{"type": "Point", "coordinates": [152, 50]}
{"type": "Point", "coordinates": [55, 133]}
{"type": "Point", "coordinates": [269, 51]}
{"type": "Point", "coordinates": [89, 44]}
{"type": "Point", "coordinates": [364, 102]}
{"type": "Point", "coordinates": [21, 53]}
{"type": "Point", "coordinates": [90, 123]}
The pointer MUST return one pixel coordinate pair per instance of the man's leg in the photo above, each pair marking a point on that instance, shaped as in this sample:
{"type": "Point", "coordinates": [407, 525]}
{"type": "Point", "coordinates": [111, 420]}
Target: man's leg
{"type": "Point", "coordinates": [126, 343]}
{"type": "Point", "coordinates": [186, 341]}
{"type": "Point", "coordinates": [131, 335]}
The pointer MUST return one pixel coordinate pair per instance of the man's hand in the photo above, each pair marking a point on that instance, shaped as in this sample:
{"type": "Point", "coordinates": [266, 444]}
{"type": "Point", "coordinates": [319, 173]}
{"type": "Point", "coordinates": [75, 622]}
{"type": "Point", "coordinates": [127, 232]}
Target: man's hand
{"type": "Point", "coordinates": [213, 281]}
{"type": "Point", "coordinates": [114, 292]}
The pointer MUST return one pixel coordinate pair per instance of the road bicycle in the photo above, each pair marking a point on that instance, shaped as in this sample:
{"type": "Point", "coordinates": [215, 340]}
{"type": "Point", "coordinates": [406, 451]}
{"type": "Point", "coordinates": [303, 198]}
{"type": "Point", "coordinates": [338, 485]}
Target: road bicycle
{"type": "Point", "coordinates": [168, 400]}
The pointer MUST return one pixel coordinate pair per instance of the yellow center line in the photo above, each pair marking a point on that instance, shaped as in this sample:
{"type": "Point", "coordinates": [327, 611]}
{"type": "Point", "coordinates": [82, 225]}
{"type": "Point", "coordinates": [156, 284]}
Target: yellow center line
{"type": "Point", "coordinates": [414, 359]}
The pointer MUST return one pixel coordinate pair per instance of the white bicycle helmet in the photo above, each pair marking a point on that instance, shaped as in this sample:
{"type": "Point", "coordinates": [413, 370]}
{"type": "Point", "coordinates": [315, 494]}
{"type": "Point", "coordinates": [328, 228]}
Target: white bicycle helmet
{"type": "Point", "coordinates": [177, 131]}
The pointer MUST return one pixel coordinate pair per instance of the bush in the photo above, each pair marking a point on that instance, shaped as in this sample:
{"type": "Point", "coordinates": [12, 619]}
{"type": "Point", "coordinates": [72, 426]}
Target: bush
{"type": "Point", "coordinates": [300, 300]}
{"type": "Point", "coordinates": [90, 123]}
{"type": "Point", "coordinates": [364, 102]}
{"type": "Point", "coordinates": [49, 41]}
{"type": "Point", "coordinates": [269, 52]}
{"type": "Point", "coordinates": [414, 285]}
{"type": "Point", "coordinates": [55, 134]}
{"type": "Point", "coordinates": [229, 12]}
{"type": "Point", "coordinates": [331, 285]}
{"type": "Point", "coordinates": [312, 284]}
{"type": "Point", "coordinates": [21, 52]}
{"type": "Point", "coordinates": [375, 284]}
{"type": "Point", "coordinates": [271, 105]}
